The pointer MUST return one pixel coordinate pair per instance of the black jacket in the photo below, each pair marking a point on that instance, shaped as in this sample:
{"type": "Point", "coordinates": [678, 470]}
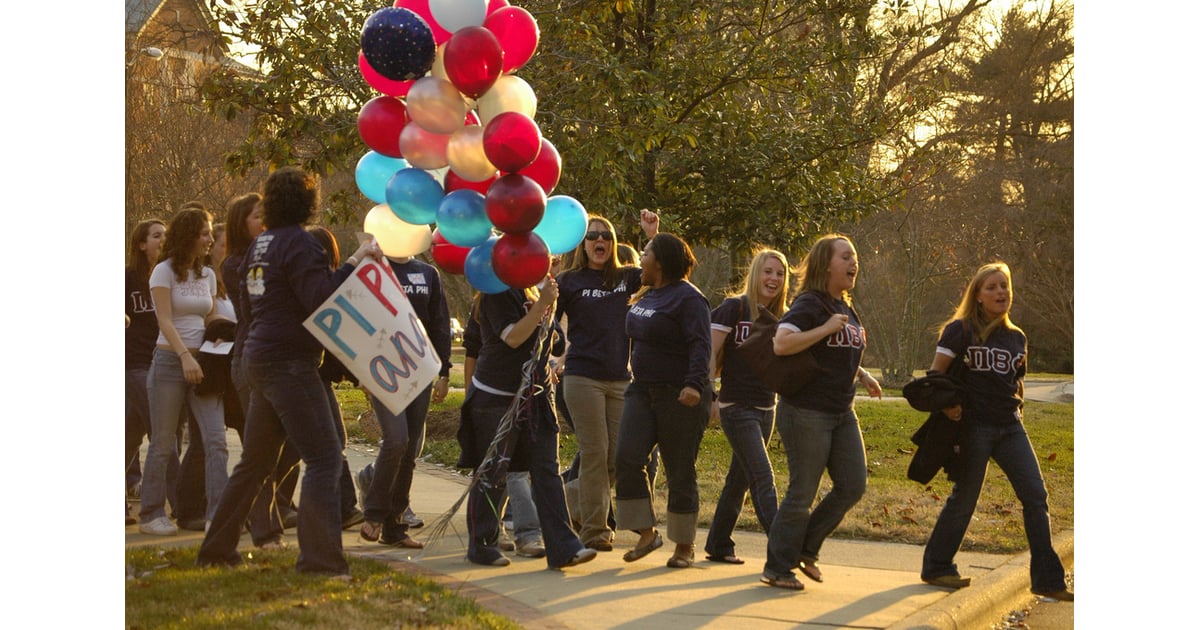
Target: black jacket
{"type": "Point", "coordinates": [937, 438]}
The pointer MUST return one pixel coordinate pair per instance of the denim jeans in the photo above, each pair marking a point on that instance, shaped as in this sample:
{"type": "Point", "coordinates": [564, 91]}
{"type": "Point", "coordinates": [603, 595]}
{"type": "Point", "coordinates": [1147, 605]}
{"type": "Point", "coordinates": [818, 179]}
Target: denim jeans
{"type": "Point", "coordinates": [536, 442]}
{"type": "Point", "coordinates": [287, 402]}
{"type": "Point", "coordinates": [191, 485]}
{"type": "Point", "coordinates": [168, 393]}
{"type": "Point", "coordinates": [388, 495]}
{"type": "Point", "coordinates": [815, 441]}
{"type": "Point", "coordinates": [653, 415]}
{"type": "Point", "coordinates": [349, 499]}
{"type": "Point", "coordinates": [524, 512]}
{"type": "Point", "coordinates": [748, 430]}
{"type": "Point", "coordinates": [596, 408]}
{"type": "Point", "coordinates": [1009, 445]}
{"type": "Point", "coordinates": [137, 427]}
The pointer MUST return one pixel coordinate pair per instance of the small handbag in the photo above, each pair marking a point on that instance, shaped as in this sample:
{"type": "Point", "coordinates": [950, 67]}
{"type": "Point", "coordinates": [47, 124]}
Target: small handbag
{"type": "Point", "coordinates": [785, 375]}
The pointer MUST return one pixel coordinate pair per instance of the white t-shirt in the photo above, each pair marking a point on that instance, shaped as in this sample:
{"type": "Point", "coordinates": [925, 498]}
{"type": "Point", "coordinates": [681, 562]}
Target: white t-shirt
{"type": "Point", "coordinates": [225, 309]}
{"type": "Point", "coordinates": [191, 301]}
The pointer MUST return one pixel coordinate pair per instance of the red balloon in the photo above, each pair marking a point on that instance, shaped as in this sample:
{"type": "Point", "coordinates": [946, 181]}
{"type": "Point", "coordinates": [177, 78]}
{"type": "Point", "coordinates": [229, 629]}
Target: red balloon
{"type": "Point", "coordinates": [546, 168]}
{"type": "Point", "coordinates": [496, 5]}
{"type": "Point", "coordinates": [455, 182]}
{"type": "Point", "coordinates": [515, 203]}
{"type": "Point", "coordinates": [380, 122]}
{"type": "Point", "coordinates": [473, 60]}
{"type": "Point", "coordinates": [380, 82]}
{"type": "Point", "coordinates": [450, 257]}
{"type": "Point", "coordinates": [520, 260]}
{"type": "Point", "coordinates": [517, 33]}
{"type": "Point", "coordinates": [511, 141]}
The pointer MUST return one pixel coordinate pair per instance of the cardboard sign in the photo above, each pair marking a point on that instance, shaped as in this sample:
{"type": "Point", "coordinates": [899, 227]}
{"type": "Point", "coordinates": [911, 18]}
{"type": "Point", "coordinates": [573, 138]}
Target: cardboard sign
{"type": "Point", "coordinates": [369, 324]}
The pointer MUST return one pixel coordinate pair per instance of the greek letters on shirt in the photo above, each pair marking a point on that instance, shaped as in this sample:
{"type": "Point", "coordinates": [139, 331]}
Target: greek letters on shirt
{"type": "Point", "coordinates": [989, 359]}
{"type": "Point", "coordinates": [741, 331]}
{"type": "Point", "coordinates": [638, 311]}
{"type": "Point", "coordinates": [141, 302]}
{"type": "Point", "coordinates": [194, 288]}
{"type": "Point", "coordinates": [850, 336]}
{"type": "Point", "coordinates": [415, 285]}
{"type": "Point", "coordinates": [599, 293]}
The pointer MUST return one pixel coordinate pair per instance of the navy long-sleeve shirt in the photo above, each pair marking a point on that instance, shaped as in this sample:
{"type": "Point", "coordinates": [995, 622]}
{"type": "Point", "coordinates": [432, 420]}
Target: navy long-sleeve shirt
{"type": "Point", "coordinates": [284, 277]}
{"type": "Point", "coordinates": [670, 331]}
{"type": "Point", "coordinates": [423, 287]}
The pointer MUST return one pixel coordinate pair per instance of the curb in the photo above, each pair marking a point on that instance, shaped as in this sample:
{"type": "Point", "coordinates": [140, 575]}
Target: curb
{"type": "Point", "coordinates": [1002, 590]}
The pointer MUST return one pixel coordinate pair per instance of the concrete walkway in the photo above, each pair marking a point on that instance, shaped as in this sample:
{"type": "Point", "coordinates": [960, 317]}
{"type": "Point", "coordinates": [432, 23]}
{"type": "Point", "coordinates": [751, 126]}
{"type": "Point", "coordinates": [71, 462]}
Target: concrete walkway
{"type": "Point", "coordinates": [867, 584]}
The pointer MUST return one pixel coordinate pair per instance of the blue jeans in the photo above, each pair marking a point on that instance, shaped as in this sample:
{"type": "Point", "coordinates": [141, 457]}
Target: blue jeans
{"type": "Point", "coordinates": [653, 416]}
{"type": "Point", "coordinates": [137, 427]}
{"type": "Point", "coordinates": [169, 392]}
{"type": "Point", "coordinates": [287, 402]}
{"type": "Point", "coordinates": [748, 431]}
{"type": "Point", "coordinates": [524, 512]}
{"type": "Point", "coordinates": [536, 443]}
{"type": "Point", "coordinates": [1009, 445]}
{"type": "Point", "coordinates": [388, 495]}
{"type": "Point", "coordinates": [815, 441]}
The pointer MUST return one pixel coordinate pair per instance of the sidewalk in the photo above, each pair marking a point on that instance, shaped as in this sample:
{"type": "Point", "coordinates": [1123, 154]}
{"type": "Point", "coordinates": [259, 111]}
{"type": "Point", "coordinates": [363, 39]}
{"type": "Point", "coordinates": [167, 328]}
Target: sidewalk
{"type": "Point", "coordinates": [867, 584]}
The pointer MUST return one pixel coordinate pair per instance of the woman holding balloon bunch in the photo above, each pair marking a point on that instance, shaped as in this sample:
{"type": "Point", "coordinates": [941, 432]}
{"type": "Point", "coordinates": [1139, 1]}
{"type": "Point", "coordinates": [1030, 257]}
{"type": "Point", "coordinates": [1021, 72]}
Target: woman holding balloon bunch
{"type": "Point", "coordinates": [594, 296]}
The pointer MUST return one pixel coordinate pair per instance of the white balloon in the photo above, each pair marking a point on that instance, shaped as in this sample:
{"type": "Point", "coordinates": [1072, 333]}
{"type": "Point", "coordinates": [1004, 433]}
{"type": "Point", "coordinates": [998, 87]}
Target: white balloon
{"type": "Point", "coordinates": [396, 237]}
{"type": "Point", "coordinates": [455, 14]}
{"type": "Point", "coordinates": [509, 93]}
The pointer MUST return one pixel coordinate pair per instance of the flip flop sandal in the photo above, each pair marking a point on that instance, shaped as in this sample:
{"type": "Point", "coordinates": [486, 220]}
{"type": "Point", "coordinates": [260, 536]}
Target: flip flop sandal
{"type": "Point", "coordinates": [788, 582]}
{"type": "Point", "coordinates": [371, 531]}
{"type": "Point", "coordinates": [730, 559]}
{"type": "Point", "coordinates": [408, 542]}
{"type": "Point", "coordinates": [637, 553]}
{"type": "Point", "coordinates": [811, 571]}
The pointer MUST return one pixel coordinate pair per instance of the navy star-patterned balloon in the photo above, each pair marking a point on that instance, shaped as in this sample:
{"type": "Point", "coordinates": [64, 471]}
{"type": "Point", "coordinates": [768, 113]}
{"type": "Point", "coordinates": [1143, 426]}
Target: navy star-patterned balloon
{"type": "Point", "coordinates": [398, 44]}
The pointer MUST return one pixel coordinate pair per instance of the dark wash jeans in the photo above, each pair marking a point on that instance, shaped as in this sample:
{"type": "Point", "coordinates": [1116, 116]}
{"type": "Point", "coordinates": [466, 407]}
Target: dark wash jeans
{"type": "Point", "coordinates": [386, 499]}
{"type": "Point", "coordinates": [536, 443]}
{"type": "Point", "coordinates": [748, 430]}
{"type": "Point", "coordinates": [815, 441]}
{"type": "Point", "coordinates": [288, 401]}
{"type": "Point", "coordinates": [1009, 445]}
{"type": "Point", "coordinates": [653, 416]}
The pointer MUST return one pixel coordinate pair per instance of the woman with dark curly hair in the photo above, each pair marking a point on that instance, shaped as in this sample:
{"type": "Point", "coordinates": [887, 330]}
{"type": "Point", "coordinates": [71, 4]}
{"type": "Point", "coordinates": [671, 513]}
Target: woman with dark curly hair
{"type": "Point", "coordinates": [285, 276]}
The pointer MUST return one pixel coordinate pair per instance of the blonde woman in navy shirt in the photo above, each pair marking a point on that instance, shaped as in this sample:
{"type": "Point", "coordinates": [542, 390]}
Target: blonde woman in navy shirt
{"type": "Point", "coordinates": [667, 403]}
{"type": "Point", "coordinates": [746, 407]}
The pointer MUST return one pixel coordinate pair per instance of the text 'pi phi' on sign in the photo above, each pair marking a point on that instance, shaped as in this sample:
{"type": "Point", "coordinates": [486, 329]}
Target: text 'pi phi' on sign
{"type": "Point", "coordinates": [369, 325]}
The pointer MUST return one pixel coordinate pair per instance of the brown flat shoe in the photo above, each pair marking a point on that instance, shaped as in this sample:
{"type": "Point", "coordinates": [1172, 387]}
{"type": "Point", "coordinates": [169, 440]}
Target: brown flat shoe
{"type": "Point", "coordinates": [811, 571]}
{"type": "Point", "coordinates": [788, 582]}
{"type": "Point", "coordinates": [637, 553]}
{"type": "Point", "coordinates": [408, 542]}
{"type": "Point", "coordinates": [948, 581]}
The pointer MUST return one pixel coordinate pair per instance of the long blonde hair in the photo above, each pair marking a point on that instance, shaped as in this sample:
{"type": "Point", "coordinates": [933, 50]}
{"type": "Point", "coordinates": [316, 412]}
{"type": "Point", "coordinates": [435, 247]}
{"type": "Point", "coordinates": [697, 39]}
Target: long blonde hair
{"type": "Point", "coordinates": [969, 310]}
{"type": "Point", "coordinates": [613, 270]}
{"type": "Point", "coordinates": [754, 275]}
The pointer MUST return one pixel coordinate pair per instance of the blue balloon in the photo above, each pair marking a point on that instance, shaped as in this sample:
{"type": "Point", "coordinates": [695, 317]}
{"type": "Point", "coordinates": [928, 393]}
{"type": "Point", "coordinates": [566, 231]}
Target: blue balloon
{"type": "Point", "coordinates": [414, 195]}
{"type": "Point", "coordinates": [478, 268]}
{"type": "Point", "coordinates": [462, 218]}
{"type": "Point", "coordinates": [373, 172]}
{"type": "Point", "coordinates": [563, 225]}
{"type": "Point", "coordinates": [398, 44]}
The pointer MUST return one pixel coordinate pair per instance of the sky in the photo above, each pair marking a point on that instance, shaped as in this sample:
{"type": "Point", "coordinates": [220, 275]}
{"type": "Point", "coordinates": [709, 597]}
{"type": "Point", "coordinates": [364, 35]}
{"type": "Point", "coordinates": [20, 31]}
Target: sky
{"type": "Point", "coordinates": [1136, 174]}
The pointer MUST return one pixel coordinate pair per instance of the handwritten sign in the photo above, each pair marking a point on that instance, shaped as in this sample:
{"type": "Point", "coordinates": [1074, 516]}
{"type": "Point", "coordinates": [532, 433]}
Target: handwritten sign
{"type": "Point", "coordinates": [369, 324]}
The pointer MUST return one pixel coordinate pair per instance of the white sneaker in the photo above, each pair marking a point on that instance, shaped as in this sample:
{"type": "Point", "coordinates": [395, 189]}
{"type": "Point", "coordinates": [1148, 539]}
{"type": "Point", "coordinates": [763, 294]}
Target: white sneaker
{"type": "Point", "coordinates": [161, 526]}
{"type": "Point", "coordinates": [531, 549]}
{"type": "Point", "coordinates": [411, 519]}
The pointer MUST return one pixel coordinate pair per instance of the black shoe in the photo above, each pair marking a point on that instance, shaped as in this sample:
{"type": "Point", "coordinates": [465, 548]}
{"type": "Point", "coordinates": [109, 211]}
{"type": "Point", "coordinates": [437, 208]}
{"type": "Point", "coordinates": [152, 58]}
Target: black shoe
{"type": "Point", "coordinates": [353, 518]}
{"type": "Point", "coordinates": [1063, 596]}
{"type": "Point", "coordinates": [948, 581]}
{"type": "Point", "coordinates": [193, 524]}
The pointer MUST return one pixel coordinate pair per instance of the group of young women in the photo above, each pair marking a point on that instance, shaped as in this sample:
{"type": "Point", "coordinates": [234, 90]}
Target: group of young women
{"type": "Point", "coordinates": [643, 355]}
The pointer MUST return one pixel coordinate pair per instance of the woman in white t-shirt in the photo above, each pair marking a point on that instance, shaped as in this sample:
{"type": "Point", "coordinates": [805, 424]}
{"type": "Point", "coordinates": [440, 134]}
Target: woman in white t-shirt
{"type": "Point", "coordinates": [183, 291]}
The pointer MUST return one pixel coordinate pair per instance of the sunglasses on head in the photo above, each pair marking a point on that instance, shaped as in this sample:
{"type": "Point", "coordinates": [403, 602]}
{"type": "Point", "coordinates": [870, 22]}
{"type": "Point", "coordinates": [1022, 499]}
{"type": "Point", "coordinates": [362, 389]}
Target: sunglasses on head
{"type": "Point", "coordinates": [595, 234]}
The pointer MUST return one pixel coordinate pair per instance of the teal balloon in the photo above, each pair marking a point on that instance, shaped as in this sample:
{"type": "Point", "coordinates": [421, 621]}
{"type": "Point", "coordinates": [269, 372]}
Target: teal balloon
{"type": "Point", "coordinates": [373, 172]}
{"type": "Point", "coordinates": [414, 195]}
{"type": "Point", "coordinates": [563, 225]}
{"type": "Point", "coordinates": [462, 218]}
{"type": "Point", "coordinates": [478, 268]}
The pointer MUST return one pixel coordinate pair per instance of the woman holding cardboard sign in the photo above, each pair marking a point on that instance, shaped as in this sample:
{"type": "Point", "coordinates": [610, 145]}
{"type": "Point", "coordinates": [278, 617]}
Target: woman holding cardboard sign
{"type": "Point", "coordinates": [286, 276]}
{"type": "Point", "coordinates": [817, 425]}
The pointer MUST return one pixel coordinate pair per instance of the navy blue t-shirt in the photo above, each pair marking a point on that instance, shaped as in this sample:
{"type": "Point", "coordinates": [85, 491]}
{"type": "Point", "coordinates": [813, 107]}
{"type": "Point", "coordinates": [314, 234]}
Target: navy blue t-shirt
{"type": "Point", "coordinates": [284, 277]}
{"type": "Point", "coordinates": [839, 354]}
{"type": "Point", "coordinates": [599, 347]}
{"type": "Point", "coordinates": [143, 323]}
{"type": "Point", "coordinates": [671, 335]}
{"type": "Point", "coordinates": [499, 366]}
{"type": "Point", "coordinates": [995, 372]}
{"type": "Point", "coordinates": [739, 384]}
{"type": "Point", "coordinates": [423, 287]}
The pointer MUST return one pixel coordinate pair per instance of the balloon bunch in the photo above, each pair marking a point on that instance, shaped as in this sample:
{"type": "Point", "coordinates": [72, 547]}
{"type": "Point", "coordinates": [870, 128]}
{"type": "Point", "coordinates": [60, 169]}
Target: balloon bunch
{"type": "Point", "coordinates": [453, 142]}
